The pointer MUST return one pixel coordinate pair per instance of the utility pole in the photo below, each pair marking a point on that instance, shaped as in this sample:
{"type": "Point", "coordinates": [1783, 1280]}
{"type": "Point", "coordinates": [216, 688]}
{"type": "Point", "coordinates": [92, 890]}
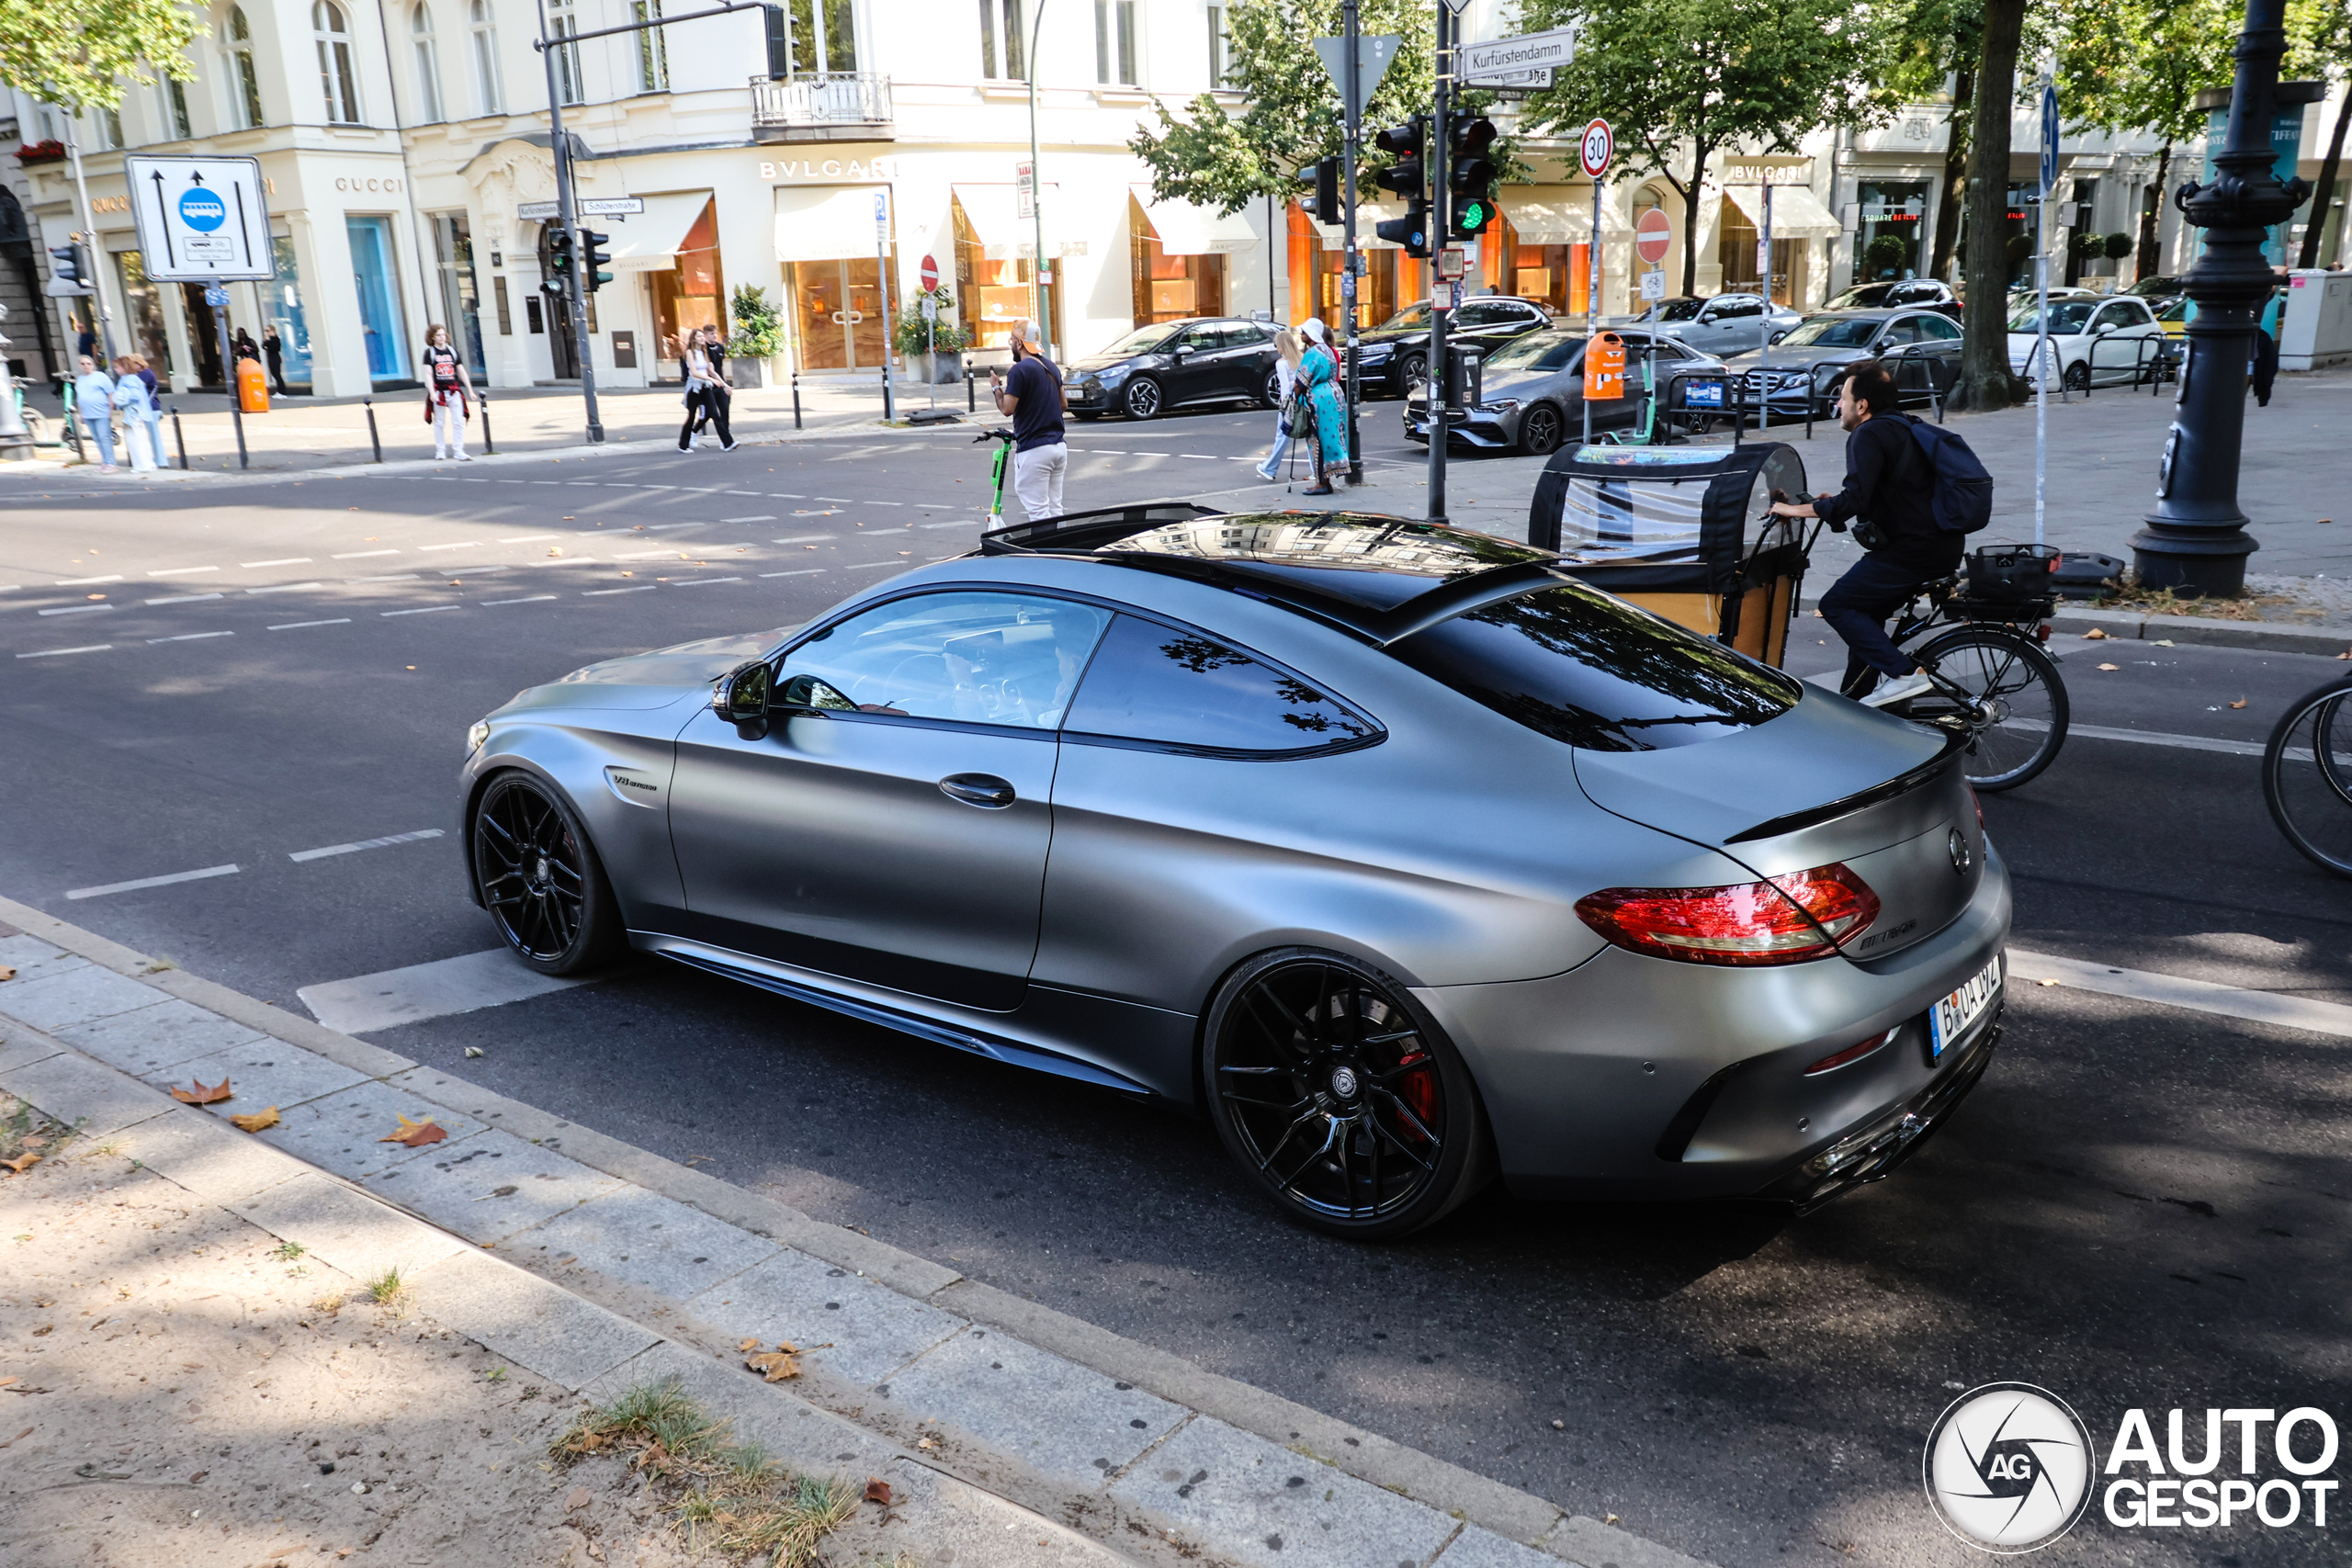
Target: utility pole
{"type": "Point", "coordinates": [1354, 139]}
{"type": "Point", "coordinates": [88, 239]}
{"type": "Point", "coordinates": [568, 215]}
{"type": "Point", "coordinates": [1037, 196]}
{"type": "Point", "coordinates": [1441, 132]}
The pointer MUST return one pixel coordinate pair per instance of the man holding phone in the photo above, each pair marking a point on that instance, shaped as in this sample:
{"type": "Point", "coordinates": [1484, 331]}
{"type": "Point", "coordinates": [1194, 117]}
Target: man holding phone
{"type": "Point", "coordinates": [1032, 397]}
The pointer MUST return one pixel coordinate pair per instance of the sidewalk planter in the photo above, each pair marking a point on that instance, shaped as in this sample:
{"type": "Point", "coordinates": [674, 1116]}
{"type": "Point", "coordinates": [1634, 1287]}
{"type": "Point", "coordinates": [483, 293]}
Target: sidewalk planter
{"type": "Point", "coordinates": [745, 373]}
{"type": "Point", "coordinates": [942, 369]}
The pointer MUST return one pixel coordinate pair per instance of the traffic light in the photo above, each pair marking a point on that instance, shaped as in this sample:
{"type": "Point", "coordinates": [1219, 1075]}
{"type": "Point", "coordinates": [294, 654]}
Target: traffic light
{"type": "Point", "coordinates": [1323, 206]}
{"type": "Point", "coordinates": [66, 274]}
{"type": "Point", "coordinates": [1408, 177]}
{"type": "Point", "coordinates": [558, 265]}
{"type": "Point", "coordinates": [593, 256]}
{"type": "Point", "coordinates": [1470, 177]}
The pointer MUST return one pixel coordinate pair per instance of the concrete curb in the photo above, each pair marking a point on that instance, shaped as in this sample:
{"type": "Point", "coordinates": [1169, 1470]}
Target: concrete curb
{"type": "Point", "coordinates": [1128, 1445]}
{"type": "Point", "coordinates": [2267, 636]}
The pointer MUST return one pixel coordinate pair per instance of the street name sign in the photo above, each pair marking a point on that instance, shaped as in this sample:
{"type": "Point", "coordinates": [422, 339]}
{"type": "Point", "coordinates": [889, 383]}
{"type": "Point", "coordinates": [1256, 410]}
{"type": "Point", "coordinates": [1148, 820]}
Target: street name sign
{"type": "Point", "coordinates": [200, 219]}
{"type": "Point", "coordinates": [1508, 61]}
{"type": "Point", "coordinates": [585, 206]}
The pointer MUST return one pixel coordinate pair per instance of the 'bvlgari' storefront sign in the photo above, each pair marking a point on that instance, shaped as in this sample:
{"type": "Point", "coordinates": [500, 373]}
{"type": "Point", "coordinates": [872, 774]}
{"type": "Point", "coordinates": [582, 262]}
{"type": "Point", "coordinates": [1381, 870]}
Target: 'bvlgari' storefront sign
{"type": "Point", "coordinates": [828, 169]}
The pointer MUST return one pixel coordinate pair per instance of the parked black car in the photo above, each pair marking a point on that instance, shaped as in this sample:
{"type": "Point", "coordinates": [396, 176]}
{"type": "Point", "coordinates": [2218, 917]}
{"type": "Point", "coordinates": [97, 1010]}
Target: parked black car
{"type": "Point", "coordinates": [2158, 289]}
{"type": "Point", "coordinates": [1172, 365]}
{"type": "Point", "coordinates": [1921, 346]}
{"type": "Point", "coordinates": [1395, 353]}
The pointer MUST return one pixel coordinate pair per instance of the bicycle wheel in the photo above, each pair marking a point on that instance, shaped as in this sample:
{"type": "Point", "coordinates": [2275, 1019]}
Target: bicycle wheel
{"type": "Point", "coordinates": [2008, 672]}
{"type": "Point", "coordinates": [2307, 776]}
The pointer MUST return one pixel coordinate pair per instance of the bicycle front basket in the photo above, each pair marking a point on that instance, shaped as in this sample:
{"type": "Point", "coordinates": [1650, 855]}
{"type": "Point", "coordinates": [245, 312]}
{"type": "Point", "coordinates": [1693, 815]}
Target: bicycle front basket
{"type": "Point", "coordinates": [2009, 573]}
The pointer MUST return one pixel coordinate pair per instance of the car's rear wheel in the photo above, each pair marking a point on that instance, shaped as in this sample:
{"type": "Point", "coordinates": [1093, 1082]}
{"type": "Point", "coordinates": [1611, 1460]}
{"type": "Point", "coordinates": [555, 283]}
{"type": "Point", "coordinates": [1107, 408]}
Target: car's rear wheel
{"type": "Point", "coordinates": [1540, 429]}
{"type": "Point", "coordinates": [541, 881]}
{"type": "Point", "coordinates": [1270, 393]}
{"type": "Point", "coordinates": [1141, 400]}
{"type": "Point", "coordinates": [1340, 1097]}
{"type": "Point", "coordinates": [1411, 370]}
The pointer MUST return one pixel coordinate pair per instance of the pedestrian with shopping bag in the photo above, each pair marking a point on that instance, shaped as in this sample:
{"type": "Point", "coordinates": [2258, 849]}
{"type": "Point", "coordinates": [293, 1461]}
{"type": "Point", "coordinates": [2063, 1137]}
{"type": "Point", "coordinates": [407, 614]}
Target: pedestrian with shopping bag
{"type": "Point", "coordinates": [131, 400]}
{"type": "Point", "coordinates": [1286, 382]}
{"type": "Point", "coordinates": [1318, 372]}
{"type": "Point", "coordinates": [94, 405]}
{"type": "Point", "coordinates": [448, 395]}
{"type": "Point", "coordinates": [706, 390]}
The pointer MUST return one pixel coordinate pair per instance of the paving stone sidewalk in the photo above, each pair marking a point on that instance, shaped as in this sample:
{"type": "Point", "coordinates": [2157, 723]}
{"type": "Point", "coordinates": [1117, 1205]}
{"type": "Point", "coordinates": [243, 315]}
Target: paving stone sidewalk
{"type": "Point", "coordinates": [598, 1266]}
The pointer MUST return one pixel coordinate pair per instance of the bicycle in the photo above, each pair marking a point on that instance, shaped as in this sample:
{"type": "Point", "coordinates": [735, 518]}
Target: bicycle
{"type": "Point", "coordinates": [2307, 776]}
{"type": "Point", "coordinates": [1993, 679]}
{"type": "Point", "coordinates": [1002, 435]}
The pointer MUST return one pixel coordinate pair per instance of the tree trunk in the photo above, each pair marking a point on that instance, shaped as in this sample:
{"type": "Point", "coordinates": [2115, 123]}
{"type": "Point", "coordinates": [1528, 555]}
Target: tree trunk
{"type": "Point", "coordinates": [1690, 194]}
{"type": "Point", "coordinates": [1956, 143]}
{"type": "Point", "coordinates": [2316, 225]}
{"type": "Point", "coordinates": [2148, 260]}
{"type": "Point", "coordinates": [1984, 378]}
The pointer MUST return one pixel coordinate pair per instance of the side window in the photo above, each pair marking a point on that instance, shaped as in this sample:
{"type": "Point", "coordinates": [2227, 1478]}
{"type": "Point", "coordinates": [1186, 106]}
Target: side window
{"type": "Point", "coordinates": [1480, 313]}
{"type": "Point", "coordinates": [1155, 685]}
{"type": "Point", "coordinates": [1200, 340]}
{"type": "Point", "coordinates": [1241, 336]}
{"type": "Point", "coordinates": [1738, 308]}
{"type": "Point", "coordinates": [1937, 328]}
{"type": "Point", "coordinates": [1903, 328]}
{"type": "Point", "coordinates": [979, 658]}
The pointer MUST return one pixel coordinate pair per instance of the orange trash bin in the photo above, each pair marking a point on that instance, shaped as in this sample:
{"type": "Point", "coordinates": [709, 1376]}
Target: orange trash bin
{"type": "Point", "coordinates": [1604, 368]}
{"type": "Point", "coordinates": [252, 386]}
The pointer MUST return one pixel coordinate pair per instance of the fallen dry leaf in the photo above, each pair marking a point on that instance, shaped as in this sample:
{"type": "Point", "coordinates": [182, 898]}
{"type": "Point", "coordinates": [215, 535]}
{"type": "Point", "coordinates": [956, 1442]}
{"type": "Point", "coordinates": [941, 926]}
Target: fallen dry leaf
{"type": "Point", "coordinates": [473, 1053]}
{"type": "Point", "coordinates": [2045, 982]}
{"type": "Point", "coordinates": [2110, 666]}
{"type": "Point", "coordinates": [2239, 704]}
{"type": "Point", "coordinates": [22, 1164]}
{"type": "Point", "coordinates": [198, 1477]}
{"type": "Point", "coordinates": [578, 1497]}
{"type": "Point", "coordinates": [4, 1384]}
{"type": "Point", "coordinates": [202, 1096]}
{"type": "Point", "coordinates": [8, 971]}
{"type": "Point", "coordinates": [775, 1366]}
{"type": "Point", "coordinates": [877, 1491]}
{"type": "Point", "coordinates": [415, 1135]}
{"type": "Point", "coordinates": [2346, 654]}
{"type": "Point", "coordinates": [257, 1121]}
{"type": "Point", "coordinates": [2093, 635]}
{"type": "Point", "coordinates": [20, 1436]}
{"type": "Point", "coordinates": [749, 1344]}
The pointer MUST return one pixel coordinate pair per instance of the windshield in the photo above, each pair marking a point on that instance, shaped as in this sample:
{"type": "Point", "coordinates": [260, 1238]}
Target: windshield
{"type": "Point", "coordinates": [1833, 332]}
{"type": "Point", "coordinates": [1854, 298]}
{"type": "Point", "coordinates": [1143, 340]}
{"type": "Point", "coordinates": [1410, 316]}
{"type": "Point", "coordinates": [1536, 351]}
{"type": "Point", "coordinates": [2071, 316]}
{"type": "Point", "coordinates": [1681, 309]}
{"type": "Point", "coordinates": [1590, 670]}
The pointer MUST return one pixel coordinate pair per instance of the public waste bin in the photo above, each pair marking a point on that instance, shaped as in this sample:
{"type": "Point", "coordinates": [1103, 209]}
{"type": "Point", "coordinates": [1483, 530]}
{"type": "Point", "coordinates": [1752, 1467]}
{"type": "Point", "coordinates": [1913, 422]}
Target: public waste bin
{"type": "Point", "coordinates": [252, 386]}
{"type": "Point", "coordinates": [1681, 532]}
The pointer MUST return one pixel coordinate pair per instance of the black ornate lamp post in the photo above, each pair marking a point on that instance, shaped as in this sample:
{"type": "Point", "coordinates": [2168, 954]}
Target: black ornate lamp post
{"type": "Point", "coordinates": [2195, 540]}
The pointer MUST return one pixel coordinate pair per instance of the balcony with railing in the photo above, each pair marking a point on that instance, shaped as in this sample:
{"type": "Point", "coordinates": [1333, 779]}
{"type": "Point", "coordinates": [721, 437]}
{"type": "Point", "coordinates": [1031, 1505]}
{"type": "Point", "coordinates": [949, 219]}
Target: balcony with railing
{"type": "Point", "coordinates": [837, 107]}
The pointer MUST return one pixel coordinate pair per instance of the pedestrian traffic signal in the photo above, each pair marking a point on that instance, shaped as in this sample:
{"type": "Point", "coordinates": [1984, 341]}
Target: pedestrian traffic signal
{"type": "Point", "coordinates": [1408, 177]}
{"type": "Point", "coordinates": [1470, 177]}
{"type": "Point", "coordinates": [593, 256]}
{"type": "Point", "coordinates": [1321, 201]}
{"type": "Point", "coordinates": [65, 271]}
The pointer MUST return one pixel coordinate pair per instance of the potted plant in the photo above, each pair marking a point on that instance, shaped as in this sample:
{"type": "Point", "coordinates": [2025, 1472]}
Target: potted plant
{"type": "Point", "coordinates": [758, 337]}
{"type": "Point", "coordinates": [50, 151]}
{"type": "Point", "coordinates": [1886, 255]}
{"type": "Point", "coordinates": [940, 343]}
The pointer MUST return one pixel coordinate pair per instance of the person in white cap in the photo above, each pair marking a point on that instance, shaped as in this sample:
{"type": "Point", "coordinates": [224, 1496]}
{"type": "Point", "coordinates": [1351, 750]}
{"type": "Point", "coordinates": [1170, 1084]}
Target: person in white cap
{"type": "Point", "coordinates": [1032, 395]}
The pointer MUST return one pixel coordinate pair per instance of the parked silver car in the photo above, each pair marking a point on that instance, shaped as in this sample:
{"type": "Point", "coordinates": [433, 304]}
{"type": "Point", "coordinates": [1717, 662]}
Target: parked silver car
{"type": "Point", "coordinates": [1920, 345]}
{"type": "Point", "coordinates": [1400, 853]}
{"type": "Point", "coordinates": [1532, 398]}
{"type": "Point", "coordinates": [1727, 324]}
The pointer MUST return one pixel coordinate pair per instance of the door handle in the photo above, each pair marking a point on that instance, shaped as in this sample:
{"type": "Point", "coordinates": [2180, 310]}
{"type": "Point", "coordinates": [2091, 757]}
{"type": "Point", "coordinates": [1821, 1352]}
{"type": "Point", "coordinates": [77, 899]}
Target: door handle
{"type": "Point", "coordinates": [837, 319]}
{"type": "Point", "coordinates": [984, 790]}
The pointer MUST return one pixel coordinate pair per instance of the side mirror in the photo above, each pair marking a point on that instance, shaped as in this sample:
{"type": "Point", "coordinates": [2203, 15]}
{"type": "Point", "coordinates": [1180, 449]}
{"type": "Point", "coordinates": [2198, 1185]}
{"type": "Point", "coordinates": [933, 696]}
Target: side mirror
{"type": "Point", "coordinates": [806, 694]}
{"type": "Point", "coordinates": [1779, 335]}
{"type": "Point", "coordinates": [1706, 318]}
{"type": "Point", "coordinates": [742, 694]}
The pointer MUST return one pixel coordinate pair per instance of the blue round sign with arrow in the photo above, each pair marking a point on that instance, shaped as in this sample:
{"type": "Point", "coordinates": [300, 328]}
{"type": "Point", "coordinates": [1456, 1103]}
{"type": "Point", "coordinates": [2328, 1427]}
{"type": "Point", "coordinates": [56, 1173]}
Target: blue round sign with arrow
{"type": "Point", "coordinates": [2049, 137]}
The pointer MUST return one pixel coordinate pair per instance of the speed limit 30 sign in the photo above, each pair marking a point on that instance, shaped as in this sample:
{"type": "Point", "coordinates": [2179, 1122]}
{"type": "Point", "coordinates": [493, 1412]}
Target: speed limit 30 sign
{"type": "Point", "coordinates": [1597, 149]}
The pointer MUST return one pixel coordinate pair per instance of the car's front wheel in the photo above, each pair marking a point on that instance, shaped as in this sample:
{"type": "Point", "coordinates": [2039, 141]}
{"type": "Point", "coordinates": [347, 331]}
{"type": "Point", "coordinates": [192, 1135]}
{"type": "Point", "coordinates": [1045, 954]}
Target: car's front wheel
{"type": "Point", "coordinates": [1141, 400]}
{"type": "Point", "coordinates": [2078, 376]}
{"type": "Point", "coordinates": [541, 881]}
{"type": "Point", "coordinates": [1340, 1097]}
{"type": "Point", "coordinates": [1411, 370]}
{"type": "Point", "coordinates": [1540, 430]}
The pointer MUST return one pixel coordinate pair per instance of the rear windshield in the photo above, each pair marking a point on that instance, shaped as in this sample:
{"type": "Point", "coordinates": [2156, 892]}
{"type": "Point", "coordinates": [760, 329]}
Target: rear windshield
{"type": "Point", "coordinates": [1581, 667]}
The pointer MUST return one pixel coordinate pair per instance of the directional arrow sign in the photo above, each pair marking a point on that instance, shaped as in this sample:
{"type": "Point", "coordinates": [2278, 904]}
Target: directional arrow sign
{"type": "Point", "coordinates": [200, 219]}
{"type": "Point", "coordinates": [1372, 55]}
{"type": "Point", "coordinates": [1509, 62]}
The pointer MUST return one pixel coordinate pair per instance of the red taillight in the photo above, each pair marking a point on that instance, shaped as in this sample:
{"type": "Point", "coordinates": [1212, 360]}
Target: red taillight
{"type": "Point", "coordinates": [1853, 1053]}
{"type": "Point", "coordinates": [1785, 919]}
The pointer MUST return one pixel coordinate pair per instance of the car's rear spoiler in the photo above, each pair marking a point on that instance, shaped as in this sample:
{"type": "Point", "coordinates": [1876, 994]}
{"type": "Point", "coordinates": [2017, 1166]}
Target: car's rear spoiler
{"type": "Point", "coordinates": [1955, 741]}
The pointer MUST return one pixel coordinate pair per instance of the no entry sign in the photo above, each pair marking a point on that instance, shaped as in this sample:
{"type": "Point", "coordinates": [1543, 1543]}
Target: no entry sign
{"type": "Point", "coordinates": [1653, 235]}
{"type": "Point", "coordinates": [930, 272]}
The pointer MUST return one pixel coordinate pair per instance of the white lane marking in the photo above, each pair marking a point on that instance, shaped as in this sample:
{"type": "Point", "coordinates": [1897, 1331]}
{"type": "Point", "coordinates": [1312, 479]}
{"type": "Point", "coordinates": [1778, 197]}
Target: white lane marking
{"type": "Point", "coordinates": [2196, 996]}
{"type": "Point", "coordinates": [369, 1002]}
{"type": "Point", "coordinates": [804, 538]}
{"type": "Point", "coordinates": [2148, 737]}
{"type": "Point", "coordinates": [134, 887]}
{"type": "Point", "coordinates": [529, 538]}
{"type": "Point", "coordinates": [653, 487]}
{"type": "Point", "coordinates": [959, 523]}
{"type": "Point", "coordinates": [85, 582]}
{"type": "Point", "coordinates": [421, 833]}
{"type": "Point", "coordinates": [57, 652]}
{"type": "Point", "coordinates": [861, 566]}
{"type": "Point", "coordinates": [463, 544]}
{"type": "Point", "coordinates": [886, 503]}
{"type": "Point", "coordinates": [803, 571]}
{"type": "Point", "coordinates": [287, 588]}
{"type": "Point", "coordinates": [190, 636]}
{"type": "Point", "coordinates": [298, 625]}
{"type": "Point", "coordinates": [182, 571]}
{"type": "Point", "coordinates": [600, 592]}
{"type": "Point", "coordinates": [838, 499]}
{"type": "Point", "coordinates": [388, 576]}
{"type": "Point", "coordinates": [74, 610]}
{"type": "Point", "coordinates": [764, 518]}
{"type": "Point", "coordinates": [784, 495]}
{"type": "Point", "coordinates": [289, 561]}
{"type": "Point", "coordinates": [362, 554]}
{"type": "Point", "coordinates": [648, 555]}
{"type": "Point", "coordinates": [428, 610]}
{"type": "Point", "coordinates": [698, 581]}
{"type": "Point", "coordinates": [1212, 456]}
{"type": "Point", "coordinates": [533, 599]}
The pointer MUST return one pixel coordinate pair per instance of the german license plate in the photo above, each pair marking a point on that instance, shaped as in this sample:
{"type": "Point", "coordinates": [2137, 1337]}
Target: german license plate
{"type": "Point", "coordinates": [1951, 1016]}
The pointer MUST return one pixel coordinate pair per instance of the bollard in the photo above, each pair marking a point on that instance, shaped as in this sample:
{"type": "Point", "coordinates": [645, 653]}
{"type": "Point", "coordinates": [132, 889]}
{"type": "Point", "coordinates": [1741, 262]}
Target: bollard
{"type": "Point", "coordinates": [373, 439]}
{"type": "Point", "coordinates": [179, 438]}
{"type": "Point", "coordinates": [796, 400]}
{"type": "Point", "coordinates": [971, 397]}
{"type": "Point", "coordinates": [489, 447]}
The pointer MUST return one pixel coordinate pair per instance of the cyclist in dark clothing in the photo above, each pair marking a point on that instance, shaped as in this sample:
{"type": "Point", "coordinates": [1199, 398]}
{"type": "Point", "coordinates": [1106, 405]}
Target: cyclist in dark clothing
{"type": "Point", "coordinates": [1889, 499]}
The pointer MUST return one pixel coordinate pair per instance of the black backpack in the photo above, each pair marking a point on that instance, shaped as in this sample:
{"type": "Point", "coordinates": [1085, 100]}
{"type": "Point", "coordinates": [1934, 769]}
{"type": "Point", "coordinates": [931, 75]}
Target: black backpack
{"type": "Point", "coordinates": [1963, 490]}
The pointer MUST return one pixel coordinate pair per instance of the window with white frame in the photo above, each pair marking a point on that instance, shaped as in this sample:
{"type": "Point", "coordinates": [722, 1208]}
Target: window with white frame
{"type": "Point", "coordinates": [428, 64]}
{"type": "Point", "coordinates": [110, 127]}
{"type": "Point", "coordinates": [563, 21]}
{"type": "Point", "coordinates": [1220, 49]}
{"type": "Point", "coordinates": [822, 38]}
{"type": "Point", "coordinates": [338, 79]}
{"type": "Point", "coordinates": [652, 49]}
{"type": "Point", "coordinates": [1000, 40]}
{"type": "Point", "coordinates": [1114, 43]}
{"type": "Point", "coordinates": [172, 94]}
{"type": "Point", "coordinates": [244, 77]}
{"type": "Point", "coordinates": [485, 41]}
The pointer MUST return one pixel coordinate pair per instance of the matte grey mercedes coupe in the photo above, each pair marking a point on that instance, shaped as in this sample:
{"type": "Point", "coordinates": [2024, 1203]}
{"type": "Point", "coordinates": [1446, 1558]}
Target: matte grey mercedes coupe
{"type": "Point", "coordinates": [1404, 855]}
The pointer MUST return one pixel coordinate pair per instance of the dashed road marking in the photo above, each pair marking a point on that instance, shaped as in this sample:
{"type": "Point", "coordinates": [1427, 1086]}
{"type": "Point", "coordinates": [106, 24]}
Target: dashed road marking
{"type": "Point", "coordinates": [86, 581]}
{"type": "Point", "coordinates": [699, 582]}
{"type": "Point", "coordinates": [600, 592]}
{"type": "Point", "coordinates": [2196, 996]}
{"type": "Point", "coordinates": [426, 610]}
{"type": "Point", "coordinates": [182, 571]}
{"type": "Point", "coordinates": [190, 636]}
{"type": "Point", "coordinates": [420, 834]}
{"type": "Point", "coordinates": [134, 885]}
{"type": "Point", "coordinates": [388, 576]}
{"type": "Point", "coordinates": [529, 538]}
{"type": "Point", "coordinates": [533, 599]}
{"type": "Point", "coordinates": [460, 545]}
{"type": "Point", "coordinates": [60, 652]}
{"type": "Point", "coordinates": [359, 554]}
{"type": "Point", "coordinates": [289, 561]}
{"type": "Point", "coordinates": [298, 625]}
{"type": "Point", "coordinates": [287, 588]}
{"type": "Point", "coordinates": [76, 610]}
{"type": "Point", "coordinates": [764, 518]}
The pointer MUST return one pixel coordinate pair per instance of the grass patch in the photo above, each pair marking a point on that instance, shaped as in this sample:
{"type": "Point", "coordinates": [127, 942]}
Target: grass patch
{"type": "Point", "coordinates": [287, 1251]}
{"type": "Point", "coordinates": [388, 1292]}
{"type": "Point", "coordinates": [328, 1304]}
{"type": "Point", "coordinates": [28, 1137]}
{"type": "Point", "coordinates": [2128, 594]}
{"type": "Point", "coordinates": [728, 1497]}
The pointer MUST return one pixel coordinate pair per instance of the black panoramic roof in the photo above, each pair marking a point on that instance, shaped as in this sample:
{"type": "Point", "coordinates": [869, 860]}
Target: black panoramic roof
{"type": "Point", "coordinates": [1380, 578]}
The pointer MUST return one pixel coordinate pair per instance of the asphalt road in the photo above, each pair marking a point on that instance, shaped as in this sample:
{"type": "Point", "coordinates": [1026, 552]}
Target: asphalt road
{"type": "Point", "coordinates": [2138, 1208]}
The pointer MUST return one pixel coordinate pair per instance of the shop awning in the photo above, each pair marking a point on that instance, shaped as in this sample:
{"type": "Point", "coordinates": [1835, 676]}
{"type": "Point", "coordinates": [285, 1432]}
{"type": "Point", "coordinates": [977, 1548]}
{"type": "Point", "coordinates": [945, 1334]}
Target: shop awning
{"type": "Point", "coordinates": [1185, 230]}
{"type": "Point", "coordinates": [1797, 214]}
{"type": "Point", "coordinates": [1559, 215]}
{"type": "Point", "coordinates": [824, 222]}
{"type": "Point", "coordinates": [650, 240]}
{"type": "Point", "coordinates": [1004, 235]}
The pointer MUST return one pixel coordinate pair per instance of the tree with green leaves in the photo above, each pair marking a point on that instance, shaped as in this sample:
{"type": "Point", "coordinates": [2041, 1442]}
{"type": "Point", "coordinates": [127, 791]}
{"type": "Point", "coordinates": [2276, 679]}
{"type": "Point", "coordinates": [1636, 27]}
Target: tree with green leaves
{"type": "Point", "coordinates": [2319, 37]}
{"type": "Point", "coordinates": [1680, 80]}
{"type": "Point", "coordinates": [1927, 44]}
{"type": "Point", "coordinates": [1985, 381]}
{"type": "Point", "coordinates": [78, 54]}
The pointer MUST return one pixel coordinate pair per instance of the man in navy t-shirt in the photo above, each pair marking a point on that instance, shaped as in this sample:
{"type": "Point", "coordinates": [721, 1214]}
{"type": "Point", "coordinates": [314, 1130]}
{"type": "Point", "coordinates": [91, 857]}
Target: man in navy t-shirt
{"type": "Point", "coordinates": [1032, 395]}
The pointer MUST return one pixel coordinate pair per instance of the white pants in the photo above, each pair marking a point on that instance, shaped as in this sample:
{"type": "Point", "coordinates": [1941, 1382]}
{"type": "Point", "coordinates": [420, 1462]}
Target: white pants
{"type": "Point", "coordinates": [1037, 479]}
{"type": "Point", "coordinates": [135, 433]}
{"type": "Point", "coordinates": [450, 417]}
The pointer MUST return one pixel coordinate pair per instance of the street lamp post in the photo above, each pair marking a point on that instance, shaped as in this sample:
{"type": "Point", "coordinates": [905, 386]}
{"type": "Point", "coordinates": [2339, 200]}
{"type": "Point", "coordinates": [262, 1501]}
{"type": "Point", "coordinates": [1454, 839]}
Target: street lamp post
{"type": "Point", "coordinates": [2195, 540]}
{"type": "Point", "coordinates": [1037, 196]}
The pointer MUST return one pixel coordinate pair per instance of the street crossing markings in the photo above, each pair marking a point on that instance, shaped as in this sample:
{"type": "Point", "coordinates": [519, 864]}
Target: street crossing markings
{"type": "Point", "coordinates": [361, 555]}
{"type": "Point", "coordinates": [418, 837]}
{"type": "Point", "coordinates": [86, 581]}
{"type": "Point", "coordinates": [426, 610]}
{"type": "Point", "coordinates": [803, 571]}
{"type": "Point", "coordinates": [533, 599]}
{"type": "Point", "coordinates": [700, 581]}
{"type": "Point", "coordinates": [298, 625]}
{"type": "Point", "coordinates": [2195, 996]}
{"type": "Point", "coordinates": [289, 561]}
{"type": "Point", "coordinates": [190, 636]}
{"type": "Point", "coordinates": [461, 545]}
{"type": "Point", "coordinates": [529, 538]}
{"type": "Point", "coordinates": [60, 652]}
{"type": "Point", "coordinates": [369, 1002]}
{"type": "Point", "coordinates": [74, 610]}
{"type": "Point", "coordinates": [287, 588]}
{"type": "Point", "coordinates": [804, 539]}
{"type": "Point", "coordinates": [600, 592]}
{"type": "Point", "coordinates": [764, 518]}
{"type": "Point", "coordinates": [133, 886]}
{"type": "Point", "coordinates": [182, 571]}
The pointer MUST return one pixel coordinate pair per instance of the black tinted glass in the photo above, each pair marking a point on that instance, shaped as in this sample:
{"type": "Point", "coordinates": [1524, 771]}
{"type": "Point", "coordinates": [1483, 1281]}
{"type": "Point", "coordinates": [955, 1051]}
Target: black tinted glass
{"type": "Point", "coordinates": [1155, 683]}
{"type": "Point", "coordinates": [1575, 665]}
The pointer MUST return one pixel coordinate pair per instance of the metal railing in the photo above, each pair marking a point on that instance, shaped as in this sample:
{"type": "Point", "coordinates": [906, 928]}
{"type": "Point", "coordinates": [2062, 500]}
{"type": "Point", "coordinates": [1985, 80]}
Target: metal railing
{"type": "Point", "coordinates": [841, 98]}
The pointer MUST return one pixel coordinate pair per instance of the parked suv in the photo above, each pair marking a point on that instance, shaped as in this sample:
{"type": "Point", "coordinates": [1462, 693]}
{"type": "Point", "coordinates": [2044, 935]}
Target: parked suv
{"type": "Point", "coordinates": [1171, 364]}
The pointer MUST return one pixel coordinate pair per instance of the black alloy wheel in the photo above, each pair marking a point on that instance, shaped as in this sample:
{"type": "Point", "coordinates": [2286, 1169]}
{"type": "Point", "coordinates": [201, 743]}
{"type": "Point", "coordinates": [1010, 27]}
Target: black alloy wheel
{"type": "Point", "coordinates": [1141, 400]}
{"type": "Point", "coordinates": [1540, 430]}
{"type": "Point", "coordinates": [1270, 393]}
{"type": "Point", "coordinates": [541, 880]}
{"type": "Point", "coordinates": [1411, 369]}
{"type": "Point", "coordinates": [1341, 1100]}
{"type": "Point", "coordinates": [2078, 376]}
